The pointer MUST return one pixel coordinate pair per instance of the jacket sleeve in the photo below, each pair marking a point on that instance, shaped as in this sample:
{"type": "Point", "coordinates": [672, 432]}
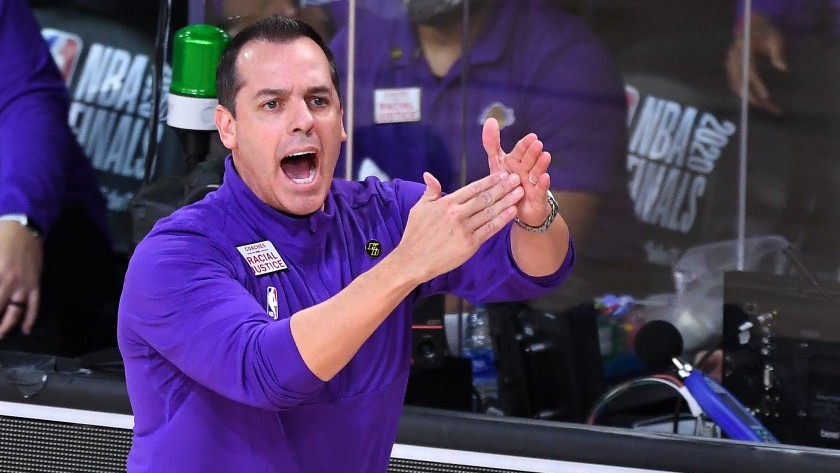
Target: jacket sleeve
{"type": "Point", "coordinates": [183, 299]}
{"type": "Point", "coordinates": [491, 275]}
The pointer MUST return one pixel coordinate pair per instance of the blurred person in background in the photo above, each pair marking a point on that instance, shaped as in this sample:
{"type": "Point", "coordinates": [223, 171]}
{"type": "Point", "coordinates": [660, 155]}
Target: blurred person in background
{"type": "Point", "coordinates": [794, 60]}
{"type": "Point", "coordinates": [58, 286]}
{"type": "Point", "coordinates": [532, 67]}
{"type": "Point", "coordinates": [233, 15]}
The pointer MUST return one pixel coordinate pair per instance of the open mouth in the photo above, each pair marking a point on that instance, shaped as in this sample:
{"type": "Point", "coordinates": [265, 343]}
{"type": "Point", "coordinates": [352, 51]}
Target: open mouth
{"type": "Point", "coordinates": [299, 167]}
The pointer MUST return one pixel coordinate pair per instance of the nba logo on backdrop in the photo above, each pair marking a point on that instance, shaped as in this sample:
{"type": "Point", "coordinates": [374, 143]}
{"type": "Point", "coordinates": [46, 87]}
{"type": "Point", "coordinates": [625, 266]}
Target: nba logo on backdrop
{"type": "Point", "coordinates": [66, 49]}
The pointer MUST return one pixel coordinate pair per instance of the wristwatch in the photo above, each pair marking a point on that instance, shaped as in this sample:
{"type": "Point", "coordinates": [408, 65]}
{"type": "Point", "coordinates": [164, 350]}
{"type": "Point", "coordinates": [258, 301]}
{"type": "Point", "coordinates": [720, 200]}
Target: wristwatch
{"type": "Point", "coordinates": [24, 220]}
{"type": "Point", "coordinates": [555, 209]}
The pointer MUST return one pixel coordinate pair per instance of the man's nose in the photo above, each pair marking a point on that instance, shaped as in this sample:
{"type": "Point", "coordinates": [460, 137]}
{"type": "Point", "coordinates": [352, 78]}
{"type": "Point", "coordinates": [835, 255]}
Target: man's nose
{"type": "Point", "coordinates": [301, 118]}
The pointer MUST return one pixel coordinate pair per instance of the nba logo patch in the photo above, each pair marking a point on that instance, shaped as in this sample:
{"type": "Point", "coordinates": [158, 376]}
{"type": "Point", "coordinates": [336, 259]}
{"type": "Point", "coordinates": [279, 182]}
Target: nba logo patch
{"type": "Point", "coordinates": [271, 303]}
{"type": "Point", "coordinates": [66, 49]}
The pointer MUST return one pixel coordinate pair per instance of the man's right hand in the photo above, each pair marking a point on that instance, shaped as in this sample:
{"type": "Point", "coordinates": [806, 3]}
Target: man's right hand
{"type": "Point", "coordinates": [445, 231]}
{"type": "Point", "coordinates": [21, 259]}
{"type": "Point", "coordinates": [442, 233]}
{"type": "Point", "coordinates": [765, 41]}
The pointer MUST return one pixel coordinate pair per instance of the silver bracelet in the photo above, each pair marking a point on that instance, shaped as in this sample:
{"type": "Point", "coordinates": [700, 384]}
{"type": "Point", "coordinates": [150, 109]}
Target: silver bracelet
{"type": "Point", "coordinates": [555, 209]}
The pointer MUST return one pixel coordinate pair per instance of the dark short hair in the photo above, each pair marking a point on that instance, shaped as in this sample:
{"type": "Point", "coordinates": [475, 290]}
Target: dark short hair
{"type": "Point", "coordinates": [272, 29]}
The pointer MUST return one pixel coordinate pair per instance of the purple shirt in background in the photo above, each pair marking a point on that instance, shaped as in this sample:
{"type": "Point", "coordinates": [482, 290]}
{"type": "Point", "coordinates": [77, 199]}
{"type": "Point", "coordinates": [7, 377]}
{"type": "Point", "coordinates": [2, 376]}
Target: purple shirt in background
{"type": "Point", "coordinates": [42, 166]}
{"type": "Point", "coordinates": [215, 379]}
{"type": "Point", "coordinates": [796, 17]}
{"type": "Point", "coordinates": [535, 68]}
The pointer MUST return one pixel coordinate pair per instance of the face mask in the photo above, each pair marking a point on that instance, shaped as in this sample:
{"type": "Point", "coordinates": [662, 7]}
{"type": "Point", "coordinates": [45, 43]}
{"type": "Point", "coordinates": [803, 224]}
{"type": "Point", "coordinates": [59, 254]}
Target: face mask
{"type": "Point", "coordinates": [433, 12]}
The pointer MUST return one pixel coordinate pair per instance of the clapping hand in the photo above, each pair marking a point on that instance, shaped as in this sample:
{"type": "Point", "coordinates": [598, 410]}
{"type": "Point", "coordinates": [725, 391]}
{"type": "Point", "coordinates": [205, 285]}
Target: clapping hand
{"type": "Point", "coordinates": [443, 231]}
{"type": "Point", "coordinates": [530, 162]}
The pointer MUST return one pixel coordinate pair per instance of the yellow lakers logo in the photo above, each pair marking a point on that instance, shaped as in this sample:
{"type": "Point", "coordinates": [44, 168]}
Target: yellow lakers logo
{"type": "Point", "coordinates": [501, 112]}
{"type": "Point", "coordinates": [373, 248]}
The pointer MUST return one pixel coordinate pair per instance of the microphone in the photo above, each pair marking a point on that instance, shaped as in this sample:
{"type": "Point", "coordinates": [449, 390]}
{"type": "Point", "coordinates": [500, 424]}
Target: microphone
{"type": "Point", "coordinates": [659, 343]}
{"type": "Point", "coordinates": [192, 95]}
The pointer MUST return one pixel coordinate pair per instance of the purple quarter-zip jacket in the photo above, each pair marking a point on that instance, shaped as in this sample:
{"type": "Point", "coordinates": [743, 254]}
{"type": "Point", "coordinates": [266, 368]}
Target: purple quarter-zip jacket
{"type": "Point", "coordinates": [217, 383]}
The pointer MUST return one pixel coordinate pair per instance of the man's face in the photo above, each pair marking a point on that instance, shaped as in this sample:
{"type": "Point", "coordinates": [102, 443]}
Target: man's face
{"type": "Point", "coordinates": [288, 128]}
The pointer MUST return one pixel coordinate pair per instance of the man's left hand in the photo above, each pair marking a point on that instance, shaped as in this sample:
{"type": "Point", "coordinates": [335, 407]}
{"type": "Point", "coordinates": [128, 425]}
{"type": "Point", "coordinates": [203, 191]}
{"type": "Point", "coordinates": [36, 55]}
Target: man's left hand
{"type": "Point", "coordinates": [530, 162]}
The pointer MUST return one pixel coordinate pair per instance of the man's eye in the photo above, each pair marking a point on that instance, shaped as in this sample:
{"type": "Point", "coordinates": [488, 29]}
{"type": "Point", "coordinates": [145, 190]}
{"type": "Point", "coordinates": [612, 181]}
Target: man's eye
{"type": "Point", "coordinates": [271, 104]}
{"type": "Point", "coordinates": [319, 101]}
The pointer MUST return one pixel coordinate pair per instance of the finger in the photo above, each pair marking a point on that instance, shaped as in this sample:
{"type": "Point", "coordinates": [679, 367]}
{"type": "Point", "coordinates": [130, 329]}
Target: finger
{"type": "Point", "coordinates": [486, 198]}
{"type": "Point", "coordinates": [538, 176]}
{"type": "Point", "coordinates": [759, 96]}
{"type": "Point", "coordinates": [776, 53]}
{"type": "Point", "coordinates": [532, 151]}
{"type": "Point", "coordinates": [529, 162]}
{"type": "Point", "coordinates": [756, 84]}
{"type": "Point", "coordinates": [475, 188]}
{"type": "Point", "coordinates": [771, 107]}
{"type": "Point", "coordinates": [767, 105]}
{"type": "Point", "coordinates": [32, 306]}
{"type": "Point", "coordinates": [433, 188]}
{"type": "Point", "coordinates": [733, 68]}
{"type": "Point", "coordinates": [492, 141]}
{"type": "Point", "coordinates": [490, 213]}
{"type": "Point", "coordinates": [10, 318]}
{"type": "Point", "coordinates": [495, 224]}
{"type": "Point", "coordinates": [522, 150]}
{"type": "Point", "coordinates": [5, 296]}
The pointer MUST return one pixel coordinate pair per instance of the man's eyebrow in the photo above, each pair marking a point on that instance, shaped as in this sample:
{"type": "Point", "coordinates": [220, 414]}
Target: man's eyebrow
{"type": "Point", "coordinates": [270, 93]}
{"type": "Point", "coordinates": [321, 89]}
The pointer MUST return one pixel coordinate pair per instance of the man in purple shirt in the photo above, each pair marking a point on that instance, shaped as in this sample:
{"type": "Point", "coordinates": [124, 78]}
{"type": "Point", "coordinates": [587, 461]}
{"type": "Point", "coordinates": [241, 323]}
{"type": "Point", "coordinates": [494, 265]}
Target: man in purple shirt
{"type": "Point", "coordinates": [268, 326]}
{"type": "Point", "coordinates": [56, 271]}
{"type": "Point", "coordinates": [531, 66]}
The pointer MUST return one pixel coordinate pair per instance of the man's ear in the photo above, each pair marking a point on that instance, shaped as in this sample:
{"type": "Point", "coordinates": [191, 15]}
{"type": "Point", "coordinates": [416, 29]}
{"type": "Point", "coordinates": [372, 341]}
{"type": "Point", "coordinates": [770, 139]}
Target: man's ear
{"type": "Point", "coordinates": [343, 131]}
{"type": "Point", "coordinates": [226, 124]}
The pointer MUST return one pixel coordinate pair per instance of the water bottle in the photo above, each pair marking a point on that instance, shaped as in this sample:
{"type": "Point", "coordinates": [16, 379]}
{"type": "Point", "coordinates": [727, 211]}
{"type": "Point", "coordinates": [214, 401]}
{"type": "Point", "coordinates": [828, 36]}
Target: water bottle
{"type": "Point", "coordinates": [478, 347]}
